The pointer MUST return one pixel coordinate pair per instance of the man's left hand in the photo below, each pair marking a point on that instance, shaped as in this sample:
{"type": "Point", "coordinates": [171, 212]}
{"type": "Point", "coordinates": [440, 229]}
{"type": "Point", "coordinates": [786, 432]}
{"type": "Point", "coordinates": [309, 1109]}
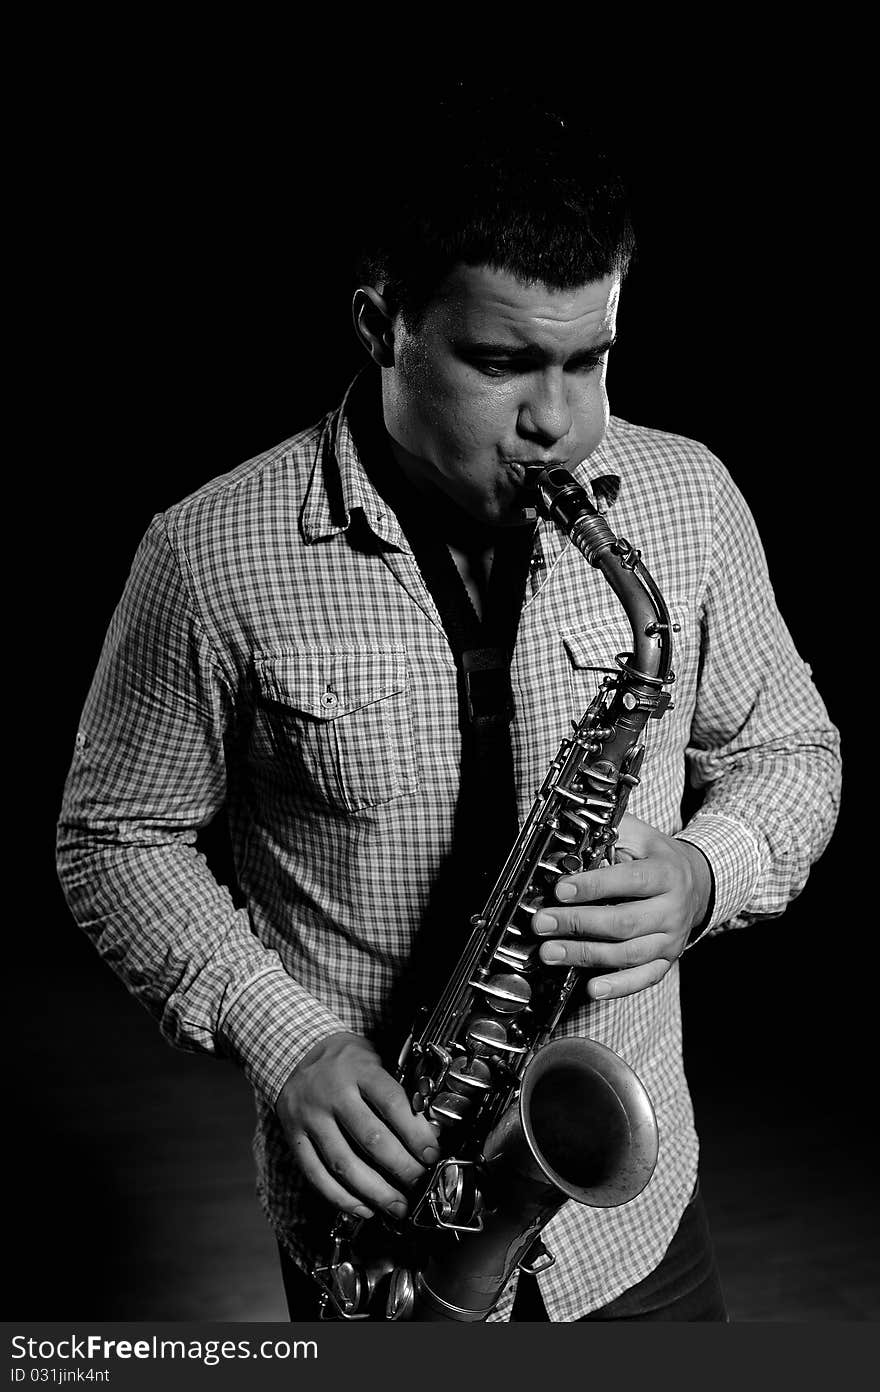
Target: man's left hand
{"type": "Point", "coordinates": [631, 919]}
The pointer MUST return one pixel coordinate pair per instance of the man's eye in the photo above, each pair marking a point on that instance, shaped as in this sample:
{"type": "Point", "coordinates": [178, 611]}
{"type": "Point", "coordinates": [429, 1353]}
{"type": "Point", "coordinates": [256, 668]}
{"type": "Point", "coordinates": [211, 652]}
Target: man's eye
{"type": "Point", "coordinates": [501, 367]}
{"type": "Point", "coordinates": [497, 369]}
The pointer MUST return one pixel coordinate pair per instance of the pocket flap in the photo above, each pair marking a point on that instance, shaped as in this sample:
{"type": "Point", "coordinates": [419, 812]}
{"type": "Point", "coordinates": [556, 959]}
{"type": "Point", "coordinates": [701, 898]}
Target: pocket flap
{"type": "Point", "coordinates": [597, 643]}
{"type": "Point", "coordinates": [329, 682]}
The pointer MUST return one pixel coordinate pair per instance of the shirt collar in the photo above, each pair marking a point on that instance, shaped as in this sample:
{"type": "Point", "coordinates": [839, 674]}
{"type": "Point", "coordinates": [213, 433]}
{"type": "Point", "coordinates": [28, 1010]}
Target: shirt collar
{"type": "Point", "coordinates": [340, 485]}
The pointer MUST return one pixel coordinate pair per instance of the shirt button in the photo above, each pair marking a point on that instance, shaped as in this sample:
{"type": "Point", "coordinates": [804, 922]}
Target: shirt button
{"type": "Point", "coordinates": [81, 740]}
{"type": "Point", "coordinates": [329, 700]}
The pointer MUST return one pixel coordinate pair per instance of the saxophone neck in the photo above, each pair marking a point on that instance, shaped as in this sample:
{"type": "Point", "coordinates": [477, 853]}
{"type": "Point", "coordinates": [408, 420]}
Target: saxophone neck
{"type": "Point", "coordinates": [562, 500]}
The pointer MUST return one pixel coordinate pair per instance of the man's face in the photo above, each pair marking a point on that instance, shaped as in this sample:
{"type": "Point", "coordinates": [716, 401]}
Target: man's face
{"type": "Point", "coordinates": [499, 374]}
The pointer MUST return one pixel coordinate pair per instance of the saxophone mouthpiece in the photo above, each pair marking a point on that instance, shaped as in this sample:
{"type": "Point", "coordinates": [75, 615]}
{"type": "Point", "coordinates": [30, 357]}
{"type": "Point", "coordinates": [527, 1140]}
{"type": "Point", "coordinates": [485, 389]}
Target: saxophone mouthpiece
{"type": "Point", "coordinates": [531, 481]}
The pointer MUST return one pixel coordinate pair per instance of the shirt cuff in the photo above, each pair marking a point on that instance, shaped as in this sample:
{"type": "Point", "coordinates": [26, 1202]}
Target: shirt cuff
{"type": "Point", "coordinates": [270, 1027]}
{"type": "Point", "coordinates": [734, 858]}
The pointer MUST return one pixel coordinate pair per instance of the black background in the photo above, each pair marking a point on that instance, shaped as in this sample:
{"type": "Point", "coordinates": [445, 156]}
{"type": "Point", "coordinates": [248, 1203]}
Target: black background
{"type": "Point", "coordinates": [191, 309]}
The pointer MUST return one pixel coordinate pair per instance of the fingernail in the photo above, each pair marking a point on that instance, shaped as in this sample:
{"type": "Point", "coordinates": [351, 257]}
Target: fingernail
{"type": "Point", "coordinates": [566, 889]}
{"type": "Point", "coordinates": [601, 988]}
{"type": "Point", "coordinates": [398, 1208]}
{"type": "Point", "coordinates": [552, 952]}
{"type": "Point", "coordinates": [544, 923]}
{"type": "Point", "coordinates": [362, 1212]}
{"type": "Point", "coordinates": [430, 1155]}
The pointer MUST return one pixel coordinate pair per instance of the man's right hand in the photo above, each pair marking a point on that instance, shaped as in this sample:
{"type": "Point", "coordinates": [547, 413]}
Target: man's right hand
{"type": "Point", "coordinates": [339, 1105]}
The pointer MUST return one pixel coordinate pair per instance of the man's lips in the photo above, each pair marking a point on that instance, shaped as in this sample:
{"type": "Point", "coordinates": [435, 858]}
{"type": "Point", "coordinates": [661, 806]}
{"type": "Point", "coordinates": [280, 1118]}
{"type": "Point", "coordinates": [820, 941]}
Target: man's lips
{"type": "Point", "coordinates": [521, 468]}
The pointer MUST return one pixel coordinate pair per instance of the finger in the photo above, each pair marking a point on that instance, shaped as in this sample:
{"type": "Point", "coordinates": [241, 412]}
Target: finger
{"type": "Point", "coordinates": [378, 1144]}
{"type": "Point", "coordinates": [628, 983]}
{"type": "Point", "coordinates": [315, 1171]}
{"type": "Point", "coordinates": [631, 879]}
{"type": "Point", "coordinates": [636, 952]}
{"type": "Point", "coordinates": [389, 1100]}
{"type": "Point", "coordinates": [607, 921]}
{"type": "Point", "coordinates": [351, 1173]}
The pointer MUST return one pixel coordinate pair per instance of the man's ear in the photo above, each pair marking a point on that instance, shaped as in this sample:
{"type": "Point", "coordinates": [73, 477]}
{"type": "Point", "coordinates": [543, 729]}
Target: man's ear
{"type": "Point", "coordinates": [374, 324]}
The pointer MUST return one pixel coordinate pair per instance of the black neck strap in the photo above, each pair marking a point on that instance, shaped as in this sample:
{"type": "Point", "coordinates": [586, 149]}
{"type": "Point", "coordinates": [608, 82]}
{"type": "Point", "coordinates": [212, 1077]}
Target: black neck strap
{"type": "Point", "coordinates": [482, 647]}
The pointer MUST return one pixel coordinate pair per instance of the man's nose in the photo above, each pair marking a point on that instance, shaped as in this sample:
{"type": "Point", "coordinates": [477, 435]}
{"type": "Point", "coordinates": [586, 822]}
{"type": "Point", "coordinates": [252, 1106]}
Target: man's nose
{"type": "Point", "coordinates": [545, 413]}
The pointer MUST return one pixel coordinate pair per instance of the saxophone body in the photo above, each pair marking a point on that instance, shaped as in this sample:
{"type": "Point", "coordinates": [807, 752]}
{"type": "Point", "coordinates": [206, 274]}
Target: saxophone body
{"type": "Point", "coordinates": [524, 1121]}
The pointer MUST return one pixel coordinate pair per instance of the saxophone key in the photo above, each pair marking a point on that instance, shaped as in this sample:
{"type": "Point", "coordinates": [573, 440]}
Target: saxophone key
{"type": "Point", "coordinates": [348, 1290]}
{"type": "Point", "coordinates": [424, 1086]}
{"type": "Point", "coordinates": [512, 963]}
{"type": "Point", "coordinates": [518, 955]}
{"type": "Point", "coordinates": [471, 1074]}
{"type": "Point", "coordinates": [560, 862]}
{"type": "Point", "coordinates": [401, 1295]}
{"type": "Point", "coordinates": [506, 994]}
{"type": "Point", "coordinates": [487, 1036]}
{"type": "Point", "coordinates": [569, 795]}
{"type": "Point", "coordinates": [586, 820]}
{"type": "Point", "coordinates": [598, 779]}
{"type": "Point", "coordinates": [564, 837]}
{"type": "Point", "coordinates": [600, 800]}
{"type": "Point", "coordinates": [455, 1198]}
{"type": "Point", "coordinates": [450, 1108]}
{"type": "Point", "coordinates": [529, 906]}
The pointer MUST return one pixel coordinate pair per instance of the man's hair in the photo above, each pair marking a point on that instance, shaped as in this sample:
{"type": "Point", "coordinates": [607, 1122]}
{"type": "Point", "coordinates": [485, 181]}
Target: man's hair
{"type": "Point", "coordinates": [495, 181]}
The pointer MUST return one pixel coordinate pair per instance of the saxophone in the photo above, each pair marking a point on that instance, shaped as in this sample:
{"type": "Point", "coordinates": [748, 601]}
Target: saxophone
{"type": "Point", "coordinates": [524, 1121]}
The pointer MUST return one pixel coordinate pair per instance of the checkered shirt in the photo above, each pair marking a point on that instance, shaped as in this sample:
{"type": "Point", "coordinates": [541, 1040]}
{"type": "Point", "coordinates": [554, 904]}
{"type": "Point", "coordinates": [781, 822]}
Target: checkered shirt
{"type": "Point", "coordinates": [265, 658]}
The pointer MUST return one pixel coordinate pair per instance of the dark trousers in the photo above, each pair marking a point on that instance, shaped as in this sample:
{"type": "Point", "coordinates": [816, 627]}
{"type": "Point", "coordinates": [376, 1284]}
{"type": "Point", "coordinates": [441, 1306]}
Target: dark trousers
{"type": "Point", "coordinates": [684, 1287]}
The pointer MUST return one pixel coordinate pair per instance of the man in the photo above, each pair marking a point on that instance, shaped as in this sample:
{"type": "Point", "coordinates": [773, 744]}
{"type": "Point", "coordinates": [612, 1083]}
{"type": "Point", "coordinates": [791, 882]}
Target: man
{"type": "Point", "coordinates": [290, 647]}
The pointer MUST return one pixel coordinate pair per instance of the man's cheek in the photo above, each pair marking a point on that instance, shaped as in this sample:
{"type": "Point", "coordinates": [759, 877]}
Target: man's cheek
{"type": "Point", "coordinates": [475, 429]}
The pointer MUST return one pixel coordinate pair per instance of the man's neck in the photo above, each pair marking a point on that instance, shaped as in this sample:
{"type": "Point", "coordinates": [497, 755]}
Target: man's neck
{"type": "Point", "coordinates": [450, 523]}
{"type": "Point", "coordinates": [470, 543]}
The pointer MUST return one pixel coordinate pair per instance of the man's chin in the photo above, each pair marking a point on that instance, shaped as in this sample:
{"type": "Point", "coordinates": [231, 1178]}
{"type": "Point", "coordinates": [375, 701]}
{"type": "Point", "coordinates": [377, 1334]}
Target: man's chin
{"type": "Point", "coordinates": [511, 512]}
{"type": "Point", "coordinates": [496, 510]}
{"type": "Point", "coordinates": [518, 517]}
{"type": "Point", "coordinates": [502, 509]}
{"type": "Point", "coordinates": [497, 518]}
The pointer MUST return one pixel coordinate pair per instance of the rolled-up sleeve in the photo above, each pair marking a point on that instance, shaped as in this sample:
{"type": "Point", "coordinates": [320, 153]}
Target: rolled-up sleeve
{"type": "Point", "coordinates": [762, 746]}
{"type": "Point", "coordinates": [149, 769]}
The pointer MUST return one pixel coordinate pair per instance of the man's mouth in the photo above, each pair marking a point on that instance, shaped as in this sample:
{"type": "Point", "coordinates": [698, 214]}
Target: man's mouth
{"type": "Point", "coordinates": [525, 470]}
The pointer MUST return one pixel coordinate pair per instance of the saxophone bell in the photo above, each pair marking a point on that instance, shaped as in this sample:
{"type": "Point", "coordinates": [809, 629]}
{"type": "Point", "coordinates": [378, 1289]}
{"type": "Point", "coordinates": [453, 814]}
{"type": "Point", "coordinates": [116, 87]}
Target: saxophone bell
{"type": "Point", "coordinates": [583, 1128]}
{"type": "Point", "coordinates": [584, 1121]}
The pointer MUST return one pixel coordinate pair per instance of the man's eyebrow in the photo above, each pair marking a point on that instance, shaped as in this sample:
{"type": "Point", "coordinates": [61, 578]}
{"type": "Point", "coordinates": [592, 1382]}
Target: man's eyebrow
{"type": "Point", "coordinates": [527, 353]}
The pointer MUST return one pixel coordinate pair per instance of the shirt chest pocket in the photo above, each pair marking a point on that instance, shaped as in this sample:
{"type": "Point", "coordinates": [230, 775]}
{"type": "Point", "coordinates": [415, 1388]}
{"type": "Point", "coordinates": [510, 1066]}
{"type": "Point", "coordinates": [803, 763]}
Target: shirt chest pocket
{"type": "Point", "coordinates": [333, 725]}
